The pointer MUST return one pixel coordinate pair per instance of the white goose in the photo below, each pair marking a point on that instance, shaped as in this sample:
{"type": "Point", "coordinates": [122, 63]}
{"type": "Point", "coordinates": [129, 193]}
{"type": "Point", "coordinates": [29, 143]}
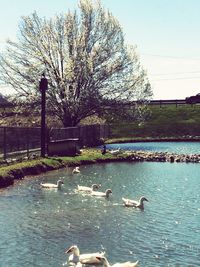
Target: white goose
{"type": "Point", "coordinates": [101, 194]}
{"type": "Point", "coordinates": [88, 189]}
{"type": "Point", "coordinates": [76, 170]}
{"type": "Point", "coordinates": [105, 263]}
{"type": "Point", "coordinates": [52, 186]}
{"type": "Point", "coordinates": [89, 258]}
{"type": "Point", "coordinates": [133, 203]}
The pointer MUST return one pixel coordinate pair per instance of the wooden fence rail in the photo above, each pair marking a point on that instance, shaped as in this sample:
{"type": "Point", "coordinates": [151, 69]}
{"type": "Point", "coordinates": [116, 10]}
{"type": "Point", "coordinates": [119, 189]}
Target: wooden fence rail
{"type": "Point", "coordinates": [168, 102]}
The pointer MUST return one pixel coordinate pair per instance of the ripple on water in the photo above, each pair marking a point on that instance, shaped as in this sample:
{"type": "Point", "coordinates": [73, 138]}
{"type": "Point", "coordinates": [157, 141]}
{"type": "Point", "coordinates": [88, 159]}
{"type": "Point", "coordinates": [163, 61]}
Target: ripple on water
{"type": "Point", "coordinates": [44, 222]}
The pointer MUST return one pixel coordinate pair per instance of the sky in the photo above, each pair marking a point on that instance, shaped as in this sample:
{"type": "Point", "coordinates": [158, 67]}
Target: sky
{"type": "Point", "coordinates": [166, 33]}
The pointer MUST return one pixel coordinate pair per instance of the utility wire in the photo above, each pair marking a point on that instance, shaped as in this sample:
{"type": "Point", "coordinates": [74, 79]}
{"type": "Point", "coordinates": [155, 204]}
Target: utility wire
{"type": "Point", "coordinates": [175, 73]}
{"type": "Point", "coordinates": [168, 79]}
{"type": "Point", "coordinates": [173, 57]}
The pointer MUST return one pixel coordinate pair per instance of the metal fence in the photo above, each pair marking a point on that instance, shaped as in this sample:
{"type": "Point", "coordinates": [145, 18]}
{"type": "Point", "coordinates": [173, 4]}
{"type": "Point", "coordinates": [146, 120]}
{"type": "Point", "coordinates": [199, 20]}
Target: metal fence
{"type": "Point", "coordinates": [23, 141]}
{"type": "Point", "coordinates": [15, 141]}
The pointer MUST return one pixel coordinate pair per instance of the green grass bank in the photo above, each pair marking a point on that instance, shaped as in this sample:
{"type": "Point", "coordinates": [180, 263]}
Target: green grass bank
{"type": "Point", "coordinates": [167, 121]}
{"type": "Point", "coordinates": [17, 171]}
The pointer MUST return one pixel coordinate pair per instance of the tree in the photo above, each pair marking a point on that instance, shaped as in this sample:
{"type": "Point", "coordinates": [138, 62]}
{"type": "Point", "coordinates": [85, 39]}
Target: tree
{"type": "Point", "coordinates": [84, 57]}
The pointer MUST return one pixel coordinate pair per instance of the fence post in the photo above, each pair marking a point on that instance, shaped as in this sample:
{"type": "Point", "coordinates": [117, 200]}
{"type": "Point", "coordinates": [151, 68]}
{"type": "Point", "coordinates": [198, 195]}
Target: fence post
{"type": "Point", "coordinates": [27, 141]}
{"type": "Point", "coordinates": [4, 144]}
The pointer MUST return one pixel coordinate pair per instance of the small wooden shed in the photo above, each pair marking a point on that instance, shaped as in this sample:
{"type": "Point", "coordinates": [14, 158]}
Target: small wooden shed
{"type": "Point", "coordinates": [65, 147]}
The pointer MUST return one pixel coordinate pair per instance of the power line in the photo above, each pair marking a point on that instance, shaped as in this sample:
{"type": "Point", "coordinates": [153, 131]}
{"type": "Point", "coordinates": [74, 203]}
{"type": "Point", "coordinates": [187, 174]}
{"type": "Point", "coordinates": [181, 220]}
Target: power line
{"type": "Point", "coordinates": [168, 79]}
{"type": "Point", "coordinates": [175, 73]}
{"type": "Point", "coordinates": [173, 57]}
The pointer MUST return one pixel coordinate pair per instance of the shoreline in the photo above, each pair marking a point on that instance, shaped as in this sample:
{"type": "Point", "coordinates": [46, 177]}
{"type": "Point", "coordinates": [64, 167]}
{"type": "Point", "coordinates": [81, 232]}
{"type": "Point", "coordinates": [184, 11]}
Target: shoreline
{"type": "Point", "coordinates": [10, 173]}
{"type": "Point", "coordinates": [150, 139]}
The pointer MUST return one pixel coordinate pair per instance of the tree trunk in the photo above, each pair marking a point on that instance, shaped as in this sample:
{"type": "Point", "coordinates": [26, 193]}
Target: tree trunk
{"type": "Point", "coordinates": [68, 121]}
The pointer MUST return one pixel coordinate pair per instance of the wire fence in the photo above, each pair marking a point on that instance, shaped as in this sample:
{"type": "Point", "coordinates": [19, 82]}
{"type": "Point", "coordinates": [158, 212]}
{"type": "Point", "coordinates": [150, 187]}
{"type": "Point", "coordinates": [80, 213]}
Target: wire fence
{"type": "Point", "coordinates": [25, 141]}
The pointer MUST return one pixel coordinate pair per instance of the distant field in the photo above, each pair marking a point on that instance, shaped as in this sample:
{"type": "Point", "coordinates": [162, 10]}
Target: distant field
{"type": "Point", "coordinates": [164, 121]}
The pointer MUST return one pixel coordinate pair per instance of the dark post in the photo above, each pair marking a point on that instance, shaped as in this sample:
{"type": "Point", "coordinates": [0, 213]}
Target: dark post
{"type": "Point", "coordinates": [43, 88]}
{"type": "Point", "coordinates": [4, 144]}
{"type": "Point", "coordinates": [27, 142]}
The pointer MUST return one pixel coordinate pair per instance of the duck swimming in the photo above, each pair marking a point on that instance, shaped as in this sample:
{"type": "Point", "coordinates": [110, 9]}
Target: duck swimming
{"type": "Point", "coordinates": [52, 186]}
{"type": "Point", "coordinates": [133, 203]}
{"type": "Point", "coordinates": [76, 170]}
{"type": "Point", "coordinates": [101, 194]}
{"type": "Point", "coordinates": [105, 263]}
{"type": "Point", "coordinates": [89, 258]}
{"type": "Point", "coordinates": [88, 189]}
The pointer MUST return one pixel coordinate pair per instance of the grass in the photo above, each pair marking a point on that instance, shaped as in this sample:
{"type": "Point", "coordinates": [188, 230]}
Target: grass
{"type": "Point", "coordinates": [33, 167]}
{"type": "Point", "coordinates": [165, 121]}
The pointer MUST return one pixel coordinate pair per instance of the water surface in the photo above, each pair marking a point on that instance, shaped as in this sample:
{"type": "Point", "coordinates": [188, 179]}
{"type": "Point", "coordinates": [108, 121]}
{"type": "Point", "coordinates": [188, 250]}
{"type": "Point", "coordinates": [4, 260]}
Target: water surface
{"type": "Point", "coordinates": [37, 225]}
{"type": "Point", "coordinates": [172, 147]}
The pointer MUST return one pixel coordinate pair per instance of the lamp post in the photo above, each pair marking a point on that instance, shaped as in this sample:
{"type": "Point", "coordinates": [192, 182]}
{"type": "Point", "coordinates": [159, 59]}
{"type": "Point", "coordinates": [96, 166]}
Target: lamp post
{"type": "Point", "coordinates": [43, 87]}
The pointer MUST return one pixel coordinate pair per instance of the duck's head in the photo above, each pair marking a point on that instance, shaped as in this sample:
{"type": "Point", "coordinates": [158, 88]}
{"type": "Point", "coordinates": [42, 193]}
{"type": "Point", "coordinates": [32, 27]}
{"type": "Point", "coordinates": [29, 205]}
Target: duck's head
{"type": "Point", "coordinates": [143, 199]}
{"type": "Point", "coordinates": [60, 182]}
{"type": "Point", "coordinates": [72, 249]}
{"type": "Point", "coordinates": [108, 191]}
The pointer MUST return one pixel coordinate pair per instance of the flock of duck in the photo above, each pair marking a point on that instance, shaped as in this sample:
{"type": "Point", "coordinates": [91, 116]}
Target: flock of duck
{"type": "Point", "coordinates": [98, 258]}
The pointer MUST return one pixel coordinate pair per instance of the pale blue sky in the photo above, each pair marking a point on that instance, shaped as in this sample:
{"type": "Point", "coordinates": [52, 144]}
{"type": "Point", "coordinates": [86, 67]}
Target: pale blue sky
{"type": "Point", "coordinates": [166, 32]}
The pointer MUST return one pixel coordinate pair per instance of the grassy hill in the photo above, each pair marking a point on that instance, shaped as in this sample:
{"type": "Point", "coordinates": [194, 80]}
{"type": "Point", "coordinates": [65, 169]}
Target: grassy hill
{"type": "Point", "coordinates": [165, 121]}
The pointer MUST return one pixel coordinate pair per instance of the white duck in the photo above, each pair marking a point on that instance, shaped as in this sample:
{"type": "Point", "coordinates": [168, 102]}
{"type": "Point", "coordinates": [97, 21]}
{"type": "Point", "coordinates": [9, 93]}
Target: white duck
{"type": "Point", "coordinates": [133, 203]}
{"type": "Point", "coordinates": [88, 189]}
{"type": "Point", "coordinates": [105, 263]}
{"type": "Point", "coordinates": [76, 170]}
{"type": "Point", "coordinates": [52, 186]}
{"type": "Point", "coordinates": [115, 152]}
{"type": "Point", "coordinates": [101, 194]}
{"type": "Point", "coordinates": [89, 258]}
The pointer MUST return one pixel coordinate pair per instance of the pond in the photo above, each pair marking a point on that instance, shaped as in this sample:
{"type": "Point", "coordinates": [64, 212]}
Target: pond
{"type": "Point", "coordinates": [175, 147]}
{"type": "Point", "coordinates": [37, 225]}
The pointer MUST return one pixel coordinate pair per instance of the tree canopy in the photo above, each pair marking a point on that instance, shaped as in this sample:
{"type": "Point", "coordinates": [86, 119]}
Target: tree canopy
{"type": "Point", "coordinates": [84, 57]}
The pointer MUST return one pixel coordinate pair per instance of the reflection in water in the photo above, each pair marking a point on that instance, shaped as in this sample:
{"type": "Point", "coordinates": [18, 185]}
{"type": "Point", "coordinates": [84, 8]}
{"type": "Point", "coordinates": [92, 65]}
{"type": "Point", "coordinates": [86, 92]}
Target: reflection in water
{"type": "Point", "coordinates": [37, 225]}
